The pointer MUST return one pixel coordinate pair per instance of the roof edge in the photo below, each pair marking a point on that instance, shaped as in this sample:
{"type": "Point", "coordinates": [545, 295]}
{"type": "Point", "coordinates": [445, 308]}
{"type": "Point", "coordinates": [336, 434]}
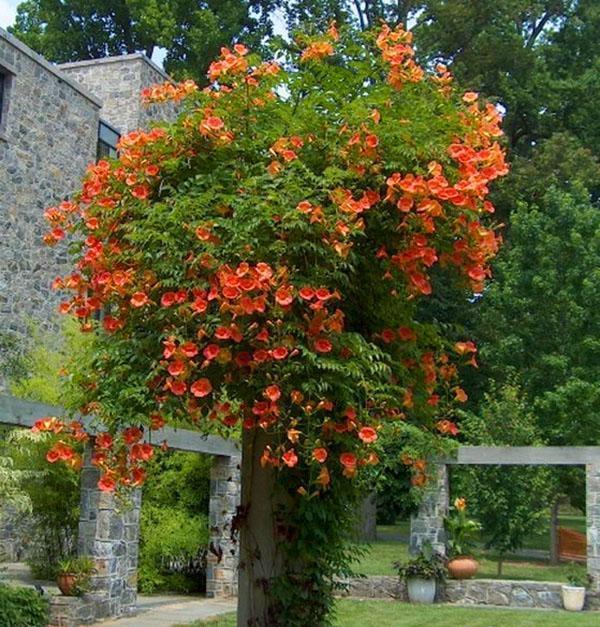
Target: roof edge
{"type": "Point", "coordinates": [118, 59]}
{"type": "Point", "coordinates": [50, 67]}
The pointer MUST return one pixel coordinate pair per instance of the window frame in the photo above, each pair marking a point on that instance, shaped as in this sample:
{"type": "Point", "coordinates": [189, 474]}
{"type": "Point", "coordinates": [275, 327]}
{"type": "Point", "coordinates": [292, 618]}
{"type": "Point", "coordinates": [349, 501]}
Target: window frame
{"type": "Point", "coordinates": [7, 77]}
{"type": "Point", "coordinates": [108, 137]}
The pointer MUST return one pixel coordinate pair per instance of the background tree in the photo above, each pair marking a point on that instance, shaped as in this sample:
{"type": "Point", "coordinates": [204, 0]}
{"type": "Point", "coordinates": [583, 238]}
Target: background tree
{"type": "Point", "coordinates": [191, 31]}
{"type": "Point", "coordinates": [539, 320]}
{"type": "Point", "coordinates": [509, 501]}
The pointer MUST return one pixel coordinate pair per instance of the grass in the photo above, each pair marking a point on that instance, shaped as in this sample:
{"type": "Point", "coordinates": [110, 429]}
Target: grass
{"type": "Point", "coordinates": [354, 613]}
{"type": "Point", "coordinates": [380, 556]}
{"type": "Point", "coordinates": [539, 541]}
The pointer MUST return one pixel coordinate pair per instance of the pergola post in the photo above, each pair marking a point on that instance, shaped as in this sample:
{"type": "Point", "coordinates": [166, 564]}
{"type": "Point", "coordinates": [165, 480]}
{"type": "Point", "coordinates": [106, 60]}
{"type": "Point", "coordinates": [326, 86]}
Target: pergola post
{"type": "Point", "coordinates": [592, 486]}
{"type": "Point", "coordinates": [428, 522]}
{"type": "Point", "coordinates": [109, 533]}
{"type": "Point", "coordinates": [222, 559]}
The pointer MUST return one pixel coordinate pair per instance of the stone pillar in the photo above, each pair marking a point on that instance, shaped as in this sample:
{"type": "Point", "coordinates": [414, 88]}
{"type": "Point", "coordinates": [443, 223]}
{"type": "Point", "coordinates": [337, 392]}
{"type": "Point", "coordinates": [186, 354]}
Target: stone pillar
{"type": "Point", "coordinates": [109, 533]}
{"type": "Point", "coordinates": [428, 522]}
{"type": "Point", "coordinates": [222, 559]}
{"type": "Point", "coordinates": [593, 523]}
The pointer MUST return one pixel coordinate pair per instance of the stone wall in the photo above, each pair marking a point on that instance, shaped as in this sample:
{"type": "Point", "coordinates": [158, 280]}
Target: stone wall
{"type": "Point", "coordinates": [428, 523]}
{"type": "Point", "coordinates": [109, 532]}
{"type": "Point", "coordinates": [48, 136]}
{"type": "Point", "coordinates": [15, 531]}
{"type": "Point", "coordinates": [222, 559]}
{"type": "Point", "coordinates": [72, 611]}
{"type": "Point", "coordinates": [499, 593]}
{"type": "Point", "coordinates": [593, 523]}
{"type": "Point", "coordinates": [118, 81]}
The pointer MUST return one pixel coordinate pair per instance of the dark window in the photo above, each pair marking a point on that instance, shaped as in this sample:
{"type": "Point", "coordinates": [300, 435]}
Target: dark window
{"type": "Point", "coordinates": [107, 141]}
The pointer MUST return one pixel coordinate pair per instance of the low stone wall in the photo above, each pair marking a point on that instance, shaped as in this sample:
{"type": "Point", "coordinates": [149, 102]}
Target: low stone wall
{"type": "Point", "coordinates": [499, 593]}
{"type": "Point", "coordinates": [72, 611]}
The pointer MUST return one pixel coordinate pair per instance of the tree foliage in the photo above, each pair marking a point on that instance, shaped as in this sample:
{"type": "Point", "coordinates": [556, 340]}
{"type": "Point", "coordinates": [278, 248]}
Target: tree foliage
{"type": "Point", "coordinates": [174, 530]}
{"type": "Point", "coordinates": [510, 502]}
{"type": "Point", "coordinates": [539, 320]}
{"type": "Point", "coordinates": [191, 32]}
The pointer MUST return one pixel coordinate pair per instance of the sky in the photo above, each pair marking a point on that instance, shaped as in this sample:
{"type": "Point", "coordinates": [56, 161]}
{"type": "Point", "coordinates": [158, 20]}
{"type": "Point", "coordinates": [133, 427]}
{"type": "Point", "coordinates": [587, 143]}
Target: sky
{"type": "Point", "coordinates": [8, 9]}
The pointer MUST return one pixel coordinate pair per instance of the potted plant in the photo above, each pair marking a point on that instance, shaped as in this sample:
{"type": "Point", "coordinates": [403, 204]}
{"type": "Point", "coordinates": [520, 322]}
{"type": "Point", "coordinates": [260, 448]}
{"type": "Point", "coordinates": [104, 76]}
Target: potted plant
{"type": "Point", "coordinates": [422, 574]}
{"type": "Point", "coordinates": [73, 575]}
{"type": "Point", "coordinates": [462, 532]}
{"type": "Point", "coordinates": [573, 595]}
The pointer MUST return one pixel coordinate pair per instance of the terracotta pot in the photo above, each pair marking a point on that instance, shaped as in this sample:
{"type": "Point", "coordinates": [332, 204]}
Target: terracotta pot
{"type": "Point", "coordinates": [66, 582]}
{"type": "Point", "coordinates": [462, 567]}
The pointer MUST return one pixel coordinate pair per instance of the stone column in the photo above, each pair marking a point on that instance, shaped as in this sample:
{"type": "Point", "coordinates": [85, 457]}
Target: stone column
{"type": "Point", "coordinates": [593, 523]}
{"type": "Point", "coordinates": [109, 533]}
{"type": "Point", "coordinates": [428, 522]}
{"type": "Point", "coordinates": [222, 560]}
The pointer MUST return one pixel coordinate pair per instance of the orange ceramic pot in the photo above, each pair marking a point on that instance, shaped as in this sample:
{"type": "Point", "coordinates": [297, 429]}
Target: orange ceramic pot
{"type": "Point", "coordinates": [462, 567]}
{"type": "Point", "coordinates": [66, 583]}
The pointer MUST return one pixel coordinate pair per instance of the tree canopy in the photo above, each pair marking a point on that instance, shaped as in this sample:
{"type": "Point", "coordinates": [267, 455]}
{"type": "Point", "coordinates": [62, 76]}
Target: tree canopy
{"type": "Point", "coordinates": [191, 31]}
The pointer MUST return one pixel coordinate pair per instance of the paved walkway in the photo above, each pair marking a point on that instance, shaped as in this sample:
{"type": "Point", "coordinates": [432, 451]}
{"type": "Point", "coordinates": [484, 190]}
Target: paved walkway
{"type": "Point", "coordinates": [166, 611]}
{"type": "Point", "coordinates": [154, 611]}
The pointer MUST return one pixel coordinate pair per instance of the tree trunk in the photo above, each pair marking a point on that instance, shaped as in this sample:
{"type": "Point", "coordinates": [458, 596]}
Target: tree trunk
{"type": "Point", "coordinates": [554, 531]}
{"type": "Point", "coordinates": [366, 528]}
{"type": "Point", "coordinates": [259, 559]}
{"type": "Point", "coordinates": [500, 563]}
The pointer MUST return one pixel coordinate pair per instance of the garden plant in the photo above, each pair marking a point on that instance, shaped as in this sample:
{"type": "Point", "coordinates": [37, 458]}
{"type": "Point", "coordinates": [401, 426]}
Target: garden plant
{"type": "Point", "coordinates": [256, 267]}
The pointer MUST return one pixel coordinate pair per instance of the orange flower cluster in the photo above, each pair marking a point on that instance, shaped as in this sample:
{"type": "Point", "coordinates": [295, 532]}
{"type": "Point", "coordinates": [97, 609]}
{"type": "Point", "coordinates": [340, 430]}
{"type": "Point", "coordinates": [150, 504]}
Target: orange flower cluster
{"type": "Point", "coordinates": [168, 91]}
{"type": "Point", "coordinates": [419, 469]}
{"type": "Point", "coordinates": [238, 294]}
{"type": "Point", "coordinates": [396, 49]}
{"type": "Point", "coordinates": [231, 63]}
{"type": "Point", "coordinates": [321, 48]}
{"type": "Point", "coordinates": [443, 78]}
{"type": "Point", "coordinates": [70, 435]}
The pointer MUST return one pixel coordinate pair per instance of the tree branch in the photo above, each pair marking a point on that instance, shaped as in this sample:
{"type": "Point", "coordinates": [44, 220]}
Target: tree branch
{"type": "Point", "coordinates": [537, 29]}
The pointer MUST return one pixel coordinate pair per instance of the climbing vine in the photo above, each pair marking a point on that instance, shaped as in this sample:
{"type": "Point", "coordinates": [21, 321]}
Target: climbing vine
{"type": "Point", "coordinates": [257, 264]}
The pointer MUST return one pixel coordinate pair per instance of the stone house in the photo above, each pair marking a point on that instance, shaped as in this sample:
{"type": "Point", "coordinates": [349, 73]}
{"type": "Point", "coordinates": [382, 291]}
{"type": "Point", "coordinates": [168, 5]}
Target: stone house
{"type": "Point", "coordinates": [54, 120]}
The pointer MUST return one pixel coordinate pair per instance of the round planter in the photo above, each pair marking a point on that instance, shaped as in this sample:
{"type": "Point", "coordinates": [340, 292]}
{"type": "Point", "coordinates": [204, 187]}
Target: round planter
{"type": "Point", "coordinates": [421, 590]}
{"type": "Point", "coordinates": [66, 582]}
{"type": "Point", "coordinates": [462, 567]}
{"type": "Point", "coordinates": [573, 598]}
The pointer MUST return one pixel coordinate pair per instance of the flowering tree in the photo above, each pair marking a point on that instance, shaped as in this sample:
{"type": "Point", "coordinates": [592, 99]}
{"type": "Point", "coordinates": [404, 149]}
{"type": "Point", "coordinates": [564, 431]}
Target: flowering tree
{"type": "Point", "coordinates": [258, 264]}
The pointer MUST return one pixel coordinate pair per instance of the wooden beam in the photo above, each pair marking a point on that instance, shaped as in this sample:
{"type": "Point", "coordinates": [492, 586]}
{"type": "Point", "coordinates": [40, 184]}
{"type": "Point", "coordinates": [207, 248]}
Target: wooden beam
{"type": "Point", "coordinates": [193, 441]}
{"type": "Point", "coordinates": [527, 455]}
{"type": "Point", "coordinates": [20, 413]}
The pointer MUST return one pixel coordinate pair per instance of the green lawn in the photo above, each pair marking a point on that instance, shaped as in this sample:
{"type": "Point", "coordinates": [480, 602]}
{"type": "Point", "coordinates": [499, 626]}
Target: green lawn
{"type": "Point", "coordinates": [353, 613]}
{"type": "Point", "coordinates": [381, 555]}
{"type": "Point", "coordinates": [539, 541]}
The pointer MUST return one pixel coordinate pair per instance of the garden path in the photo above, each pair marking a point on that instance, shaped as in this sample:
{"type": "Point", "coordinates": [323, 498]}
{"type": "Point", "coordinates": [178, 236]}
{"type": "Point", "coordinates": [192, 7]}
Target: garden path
{"type": "Point", "coordinates": [169, 610]}
{"type": "Point", "coordinates": [153, 610]}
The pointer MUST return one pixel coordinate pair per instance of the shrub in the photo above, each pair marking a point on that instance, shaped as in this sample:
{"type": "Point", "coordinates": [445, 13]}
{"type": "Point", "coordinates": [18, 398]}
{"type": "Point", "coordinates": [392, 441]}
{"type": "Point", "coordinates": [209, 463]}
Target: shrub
{"type": "Point", "coordinates": [22, 607]}
{"type": "Point", "coordinates": [167, 536]}
{"type": "Point", "coordinates": [174, 524]}
{"type": "Point", "coordinates": [54, 497]}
